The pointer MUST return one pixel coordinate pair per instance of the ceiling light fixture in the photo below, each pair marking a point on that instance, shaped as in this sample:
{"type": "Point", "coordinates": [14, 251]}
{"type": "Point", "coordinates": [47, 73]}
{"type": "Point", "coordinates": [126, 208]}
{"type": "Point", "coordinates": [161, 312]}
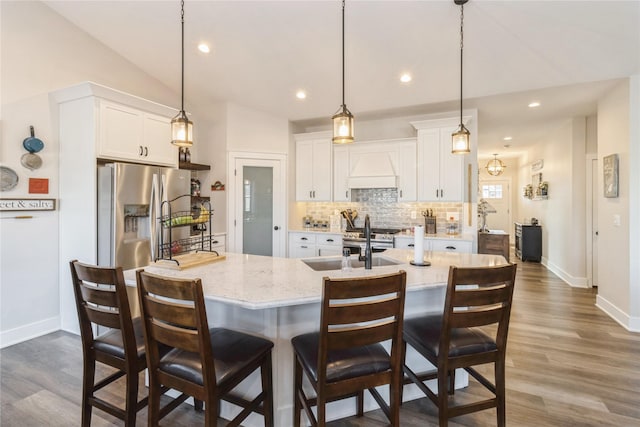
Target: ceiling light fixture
{"type": "Point", "coordinates": [405, 78]}
{"type": "Point", "coordinates": [495, 167]}
{"type": "Point", "coordinates": [301, 94]}
{"type": "Point", "coordinates": [507, 138]}
{"type": "Point", "coordinates": [204, 48]}
{"type": "Point", "coordinates": [460, 139]}
{"type": "Point", "coordinates": [343, 119]}
{"type": "Point", "coordinates": [534, 104]}
{"type": "Point", "coordinates": [181, 126]}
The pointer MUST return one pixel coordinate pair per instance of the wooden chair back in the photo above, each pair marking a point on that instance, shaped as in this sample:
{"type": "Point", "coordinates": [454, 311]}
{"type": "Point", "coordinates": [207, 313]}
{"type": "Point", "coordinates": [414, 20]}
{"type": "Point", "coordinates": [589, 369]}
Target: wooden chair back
{"type": "Point", "coordinates": [174, 314]}
{"type": "Point", "coordinates": [478, 297]}
{"type": "Point", "coordinates": [357, 312]}
{"type": "Point", "coordinates": [101, 299]}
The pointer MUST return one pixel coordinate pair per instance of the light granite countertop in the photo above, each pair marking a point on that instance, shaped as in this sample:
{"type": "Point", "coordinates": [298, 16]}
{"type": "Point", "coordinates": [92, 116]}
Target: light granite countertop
{"type": "Point", "coordinates": [261, 282]}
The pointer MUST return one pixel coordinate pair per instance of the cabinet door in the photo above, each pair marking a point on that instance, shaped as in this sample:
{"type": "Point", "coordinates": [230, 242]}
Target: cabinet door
{"type": "Point", "coordinates": [341, 192]}
{"type": "Point", "coordinates": [120, 132]}
{"type": "Point", "coordinates": [407, 172]}
{"type": "Point", "coordinates": [313, 170]}
{"type": "Point", "coordinates": [451, 169]}
{"type": "Point", "coordinates": [405, 242]}
{"type": "Point", "coordinates": [452, 245]}
{"type": "Point", "coordinates": [322, 170]}
{"type": "Point", "coordinates": [429, 165]}
{"type": "Point", "coordinates": [157, 140]}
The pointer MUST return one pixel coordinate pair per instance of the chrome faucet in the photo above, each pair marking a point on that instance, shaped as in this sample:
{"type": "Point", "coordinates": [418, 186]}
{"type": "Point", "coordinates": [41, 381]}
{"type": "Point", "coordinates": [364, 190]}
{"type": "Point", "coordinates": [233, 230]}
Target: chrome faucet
{"type": "Point", "coordinates": [367, 251]}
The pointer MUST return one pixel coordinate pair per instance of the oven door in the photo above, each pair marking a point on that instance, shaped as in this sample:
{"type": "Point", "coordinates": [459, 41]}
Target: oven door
{"type": "Point", "coordinates": [354, 248]}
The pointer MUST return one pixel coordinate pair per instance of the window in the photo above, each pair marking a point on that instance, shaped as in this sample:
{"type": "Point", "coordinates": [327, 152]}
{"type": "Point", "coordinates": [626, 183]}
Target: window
{"type": "Point", "coordinates": [492, 191]}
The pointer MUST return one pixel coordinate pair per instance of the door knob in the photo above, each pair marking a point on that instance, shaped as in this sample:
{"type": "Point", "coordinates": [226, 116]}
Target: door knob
{"type": "Point", "coordinates": [276, 228]}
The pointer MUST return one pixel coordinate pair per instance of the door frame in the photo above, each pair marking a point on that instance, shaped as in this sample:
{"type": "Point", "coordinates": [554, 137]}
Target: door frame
{"type": "Point", "coordinates": [591, 240]}
{"type": "Point", "coordinates": [280, 211]}
{"type": "Point", "coordinates": [510, 229]}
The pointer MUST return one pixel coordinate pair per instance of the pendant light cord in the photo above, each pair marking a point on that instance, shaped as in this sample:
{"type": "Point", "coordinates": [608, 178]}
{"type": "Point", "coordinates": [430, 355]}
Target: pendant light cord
{"type": "Point", "coordinates": [182, 69]}
{"type": "Point", "coordinates": [343, 3]}
{"type": "Point", "coordinates": [461, 49]}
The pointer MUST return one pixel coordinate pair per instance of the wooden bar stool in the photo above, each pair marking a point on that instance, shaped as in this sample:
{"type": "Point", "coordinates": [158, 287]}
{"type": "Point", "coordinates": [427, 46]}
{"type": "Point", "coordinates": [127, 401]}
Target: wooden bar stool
{"type": "Point", "coordinates": [475, 297]}
{"type": "Point", "coordinates": [346, 356]}
{"type": "Point", "coordinates": [204, 363]}
{"type": "Point", "coordinates": [101, 299]}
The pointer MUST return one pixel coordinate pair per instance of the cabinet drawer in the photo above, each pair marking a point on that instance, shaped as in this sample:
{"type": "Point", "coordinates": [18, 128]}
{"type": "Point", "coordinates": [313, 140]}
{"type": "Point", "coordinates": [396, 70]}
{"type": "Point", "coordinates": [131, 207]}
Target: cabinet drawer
{"type": "Point", "coordinates": [451, 245]}
{"type": "Point", "coordinates": [330, 240]}
{"type": "Point", "coordinates": [302, 238]}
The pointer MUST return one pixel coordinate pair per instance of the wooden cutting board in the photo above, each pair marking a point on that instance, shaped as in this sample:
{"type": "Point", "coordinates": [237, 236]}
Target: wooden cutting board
{"type": "Point", "coordinates": [189, 260]}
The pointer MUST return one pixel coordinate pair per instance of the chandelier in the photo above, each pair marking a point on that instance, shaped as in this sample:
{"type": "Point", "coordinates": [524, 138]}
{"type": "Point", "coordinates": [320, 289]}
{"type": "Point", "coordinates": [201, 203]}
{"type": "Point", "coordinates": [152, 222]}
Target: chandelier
{"type": "Point", "coordinates": [343, 119]}
{"type": "Point", "coordinates": [495, 166]}
{"type": "Point", "coordinates": [181, 126]}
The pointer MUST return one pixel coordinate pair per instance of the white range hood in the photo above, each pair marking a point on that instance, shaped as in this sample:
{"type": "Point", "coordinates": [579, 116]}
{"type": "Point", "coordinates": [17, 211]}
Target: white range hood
{"type": "Point", "coordinates": [373, 170]}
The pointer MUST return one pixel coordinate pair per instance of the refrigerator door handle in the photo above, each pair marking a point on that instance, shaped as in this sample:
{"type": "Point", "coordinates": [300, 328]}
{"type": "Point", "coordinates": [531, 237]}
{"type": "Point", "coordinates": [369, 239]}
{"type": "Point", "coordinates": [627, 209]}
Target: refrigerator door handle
{"type": "Point", "coordinates": [153, 215]}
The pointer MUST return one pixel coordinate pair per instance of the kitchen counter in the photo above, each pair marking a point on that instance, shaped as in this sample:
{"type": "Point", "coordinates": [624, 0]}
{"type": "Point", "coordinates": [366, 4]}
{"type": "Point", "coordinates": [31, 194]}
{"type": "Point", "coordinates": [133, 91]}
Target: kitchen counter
{"type": "Point", "coordinates": [279, 298]}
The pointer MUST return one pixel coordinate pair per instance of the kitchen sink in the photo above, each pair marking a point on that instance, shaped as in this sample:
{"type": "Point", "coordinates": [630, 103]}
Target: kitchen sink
{"type": "Point", "coordinates": [326, 264]}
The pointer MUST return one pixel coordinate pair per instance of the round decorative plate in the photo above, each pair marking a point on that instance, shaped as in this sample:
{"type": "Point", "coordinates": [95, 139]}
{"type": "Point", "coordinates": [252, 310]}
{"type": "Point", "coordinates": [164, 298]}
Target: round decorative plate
{"type": "Point", "coordinates": [33, 145]}
{"type": "Point", "coordinates": [8, 178]}
{"type": "Point", "coordinates": [31, 161]}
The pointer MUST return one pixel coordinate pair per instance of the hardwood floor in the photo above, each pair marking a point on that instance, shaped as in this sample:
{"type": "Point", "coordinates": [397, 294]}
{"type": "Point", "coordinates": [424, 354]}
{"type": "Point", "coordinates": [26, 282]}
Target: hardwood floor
{"type": "Point", "coordinates": [568, 364]}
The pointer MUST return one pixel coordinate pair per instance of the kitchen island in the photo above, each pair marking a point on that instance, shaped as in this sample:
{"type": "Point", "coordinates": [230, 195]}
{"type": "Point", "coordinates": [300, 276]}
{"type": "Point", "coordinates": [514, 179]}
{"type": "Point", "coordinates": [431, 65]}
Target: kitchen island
{"type": "Point", "coordinates": [279, 298]}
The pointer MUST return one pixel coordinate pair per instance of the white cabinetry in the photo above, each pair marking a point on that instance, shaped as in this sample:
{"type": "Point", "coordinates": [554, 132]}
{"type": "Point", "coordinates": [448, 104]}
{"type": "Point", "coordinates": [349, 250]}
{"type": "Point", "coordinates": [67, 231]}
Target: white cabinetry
{"type": "Point", "coordinates": [435, 244]}
{"type": "Point", "coordinates": [341, 191]}
{"type": "Point", "coordinates": [130, 134]}
{"type": "Point", "coordinates": [440, 173]}
{"type": "Point", "coordinates": [313, 167]}
{"type": "Point", "coordinates": [306, 245]}
{"type": "Point", "coordinates": [407, 172]}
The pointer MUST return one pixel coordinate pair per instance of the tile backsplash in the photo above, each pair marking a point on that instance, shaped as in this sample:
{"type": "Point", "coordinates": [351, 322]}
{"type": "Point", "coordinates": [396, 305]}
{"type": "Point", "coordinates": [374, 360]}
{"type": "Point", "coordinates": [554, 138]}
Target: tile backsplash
{"type": "Point", "coordinates": [384, 209]}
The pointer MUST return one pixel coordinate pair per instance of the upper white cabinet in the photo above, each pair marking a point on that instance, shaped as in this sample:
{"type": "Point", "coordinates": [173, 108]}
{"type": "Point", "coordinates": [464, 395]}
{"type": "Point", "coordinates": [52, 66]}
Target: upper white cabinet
{"type": "Point", "coordinates": [440, 173]}
{"type": "Point", "coordinates": [130, 134]}
{"type": "Point", "coordinates": [313, 167]}
{"type": "Point", "coordinates": [341, 191]}
{"type": "Point", "coordinates": [407, 172]}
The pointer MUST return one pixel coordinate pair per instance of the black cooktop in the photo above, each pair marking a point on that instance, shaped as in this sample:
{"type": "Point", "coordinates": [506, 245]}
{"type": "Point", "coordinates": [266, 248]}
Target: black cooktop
{"type": "Point", "coordinates": [376, 230]}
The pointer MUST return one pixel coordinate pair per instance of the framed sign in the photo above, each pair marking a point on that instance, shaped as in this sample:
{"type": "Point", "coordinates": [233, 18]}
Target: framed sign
{"type": "Point", "coordinates": [610, 172]}
{"type": "Point", "coordinates": [9, 205]}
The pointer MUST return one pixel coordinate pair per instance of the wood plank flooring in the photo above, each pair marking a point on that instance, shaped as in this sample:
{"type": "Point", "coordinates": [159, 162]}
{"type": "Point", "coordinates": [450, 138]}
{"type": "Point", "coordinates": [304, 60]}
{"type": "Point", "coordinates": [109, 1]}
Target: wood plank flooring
{"type": "Point", "coordinates": [568, 364]}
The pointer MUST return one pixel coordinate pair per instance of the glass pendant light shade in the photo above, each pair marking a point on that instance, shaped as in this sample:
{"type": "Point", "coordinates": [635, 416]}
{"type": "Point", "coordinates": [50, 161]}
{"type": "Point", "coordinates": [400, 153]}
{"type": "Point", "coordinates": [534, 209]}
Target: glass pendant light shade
{"type": "Point", "coordinates": [461, 140]}
{"type": "Point", "coordinates": [495, 167]}
{"type": "Point", "coordinates": [342, 126]}
{"type": "Point", "coordinates": [181, 130]}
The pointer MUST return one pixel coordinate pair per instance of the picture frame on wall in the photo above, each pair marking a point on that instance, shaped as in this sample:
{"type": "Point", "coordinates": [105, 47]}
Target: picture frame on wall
{"type": "Point", "coordinates": [610, 175]}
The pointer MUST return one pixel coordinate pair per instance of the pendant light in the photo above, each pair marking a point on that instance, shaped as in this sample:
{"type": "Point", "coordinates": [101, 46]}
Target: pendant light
{"type": "Point", "coordinates": [181, 126]}
{"type": "Point", "coordinates": [495, 167]}
{"type": "Point", "coordinates": [460, 139]}
{"type": "Point", "coordinates": [343, 119]}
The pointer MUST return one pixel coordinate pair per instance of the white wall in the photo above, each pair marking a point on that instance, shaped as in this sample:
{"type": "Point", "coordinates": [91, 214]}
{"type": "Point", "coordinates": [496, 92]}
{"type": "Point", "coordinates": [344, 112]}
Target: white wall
{"type": "Point", "coordinates": [614, 126]}
{"type": "Point", "coordinates": [42, 52]}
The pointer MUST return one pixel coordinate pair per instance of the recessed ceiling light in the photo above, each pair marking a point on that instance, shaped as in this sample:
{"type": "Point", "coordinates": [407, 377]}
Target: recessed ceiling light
{"type": "Point", "coordinates": [534, 104]}
{"type": "Point", "coordinates": [507, 138]}
{"type": "Point", "coordinates": [405, 78]}
{"type": "Point", "coordinates": [301, 94]}
{"type": "Point", "coordinates": [204, 48]}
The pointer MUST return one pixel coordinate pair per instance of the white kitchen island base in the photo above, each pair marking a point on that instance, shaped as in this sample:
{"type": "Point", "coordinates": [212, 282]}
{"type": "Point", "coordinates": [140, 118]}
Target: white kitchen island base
{"type": "Point", "coordinates": [279, 298]}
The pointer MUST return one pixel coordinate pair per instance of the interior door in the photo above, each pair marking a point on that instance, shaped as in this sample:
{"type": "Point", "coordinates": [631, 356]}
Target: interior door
{"type": "Point", "coordinates": [258, 212]}
{"type": "Point", "coordinates": [498, 193]}
{"type": "Point", "coordinates": [592, 220]}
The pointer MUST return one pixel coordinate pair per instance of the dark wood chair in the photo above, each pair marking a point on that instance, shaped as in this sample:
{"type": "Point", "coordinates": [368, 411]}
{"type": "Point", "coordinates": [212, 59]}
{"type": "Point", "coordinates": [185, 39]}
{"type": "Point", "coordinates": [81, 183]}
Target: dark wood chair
{"type": "Point", "coordinates": [346, 356]}
{"type": "Point", "coordinates": [476, 297]}
{"type": "Point", "coordinates": [204, 363]}
{"type": "Point", "coordinates": [101, 299]}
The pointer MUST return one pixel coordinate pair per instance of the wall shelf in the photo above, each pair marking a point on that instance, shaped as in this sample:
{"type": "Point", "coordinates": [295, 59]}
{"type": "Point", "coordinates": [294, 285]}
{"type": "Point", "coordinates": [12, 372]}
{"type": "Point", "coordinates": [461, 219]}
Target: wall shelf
{"type": "Point", "coordinates": [193, 166]}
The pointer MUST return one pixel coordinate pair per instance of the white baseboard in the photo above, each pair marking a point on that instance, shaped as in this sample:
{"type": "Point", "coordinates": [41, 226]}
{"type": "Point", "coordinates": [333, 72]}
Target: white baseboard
{"type": "Point", "coordinates": [632, 324]}
{"type": "Point", "coordinates": [27, 332]}
{"type": "Point", "coordinates": [576, 282]}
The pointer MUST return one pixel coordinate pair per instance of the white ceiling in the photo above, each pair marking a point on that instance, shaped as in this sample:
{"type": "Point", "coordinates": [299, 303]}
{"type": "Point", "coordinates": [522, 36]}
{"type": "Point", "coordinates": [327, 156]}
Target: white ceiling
{"type": "Point", "coordinates": [264, 51]}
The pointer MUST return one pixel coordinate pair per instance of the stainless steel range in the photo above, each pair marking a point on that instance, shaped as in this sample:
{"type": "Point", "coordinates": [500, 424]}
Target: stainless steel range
{"type": "Point", "coordinates": [381, 239]}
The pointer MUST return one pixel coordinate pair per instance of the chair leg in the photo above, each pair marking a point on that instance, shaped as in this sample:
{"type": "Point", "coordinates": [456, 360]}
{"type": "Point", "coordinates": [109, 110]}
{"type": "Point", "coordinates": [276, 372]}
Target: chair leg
{"type": "Point", "coordinates": [360, 403]}
{"type": "Point", "coordinates": [297, 386]}
{"type": "Point", "coordinates": [153, 403]}
{"type": "Point", "coordinates": [267, 389]}
{"type": "Point", "coordinates": [443, 396]}
{"type": "Point", "coordinates": [131, 398]}
{"type": "Point", "coordinates": [403, 357]}
{"type": "Point", "coordinates": [88, 379]}
{"type": "Point", "coordinates": [500, 392]}
{"type": "Point", "coordinates": [395, 393]}
{"type": "Point", "coordinates": [452, 381]}
{"type": "Point", "coordinates": [211, 413]}
{"type": "Point", "coordinates": [322, 411]}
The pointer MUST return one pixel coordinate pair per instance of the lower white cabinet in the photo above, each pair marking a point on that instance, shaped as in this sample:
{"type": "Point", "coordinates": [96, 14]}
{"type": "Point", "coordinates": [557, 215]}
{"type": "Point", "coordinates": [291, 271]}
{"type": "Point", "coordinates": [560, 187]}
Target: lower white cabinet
{"type": "Point", "coordinates": [311, 244]}
{"type": "Point", "coordinates": [435, 244]}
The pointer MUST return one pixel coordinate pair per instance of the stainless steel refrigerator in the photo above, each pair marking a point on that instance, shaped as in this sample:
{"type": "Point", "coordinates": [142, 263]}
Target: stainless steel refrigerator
{"type": "Point", "coordinates": [129, 204]}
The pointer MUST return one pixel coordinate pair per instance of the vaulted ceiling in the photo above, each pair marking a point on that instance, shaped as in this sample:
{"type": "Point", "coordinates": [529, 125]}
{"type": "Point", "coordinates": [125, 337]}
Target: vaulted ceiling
{"type": "Point", "coordinates": [564, 54]}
